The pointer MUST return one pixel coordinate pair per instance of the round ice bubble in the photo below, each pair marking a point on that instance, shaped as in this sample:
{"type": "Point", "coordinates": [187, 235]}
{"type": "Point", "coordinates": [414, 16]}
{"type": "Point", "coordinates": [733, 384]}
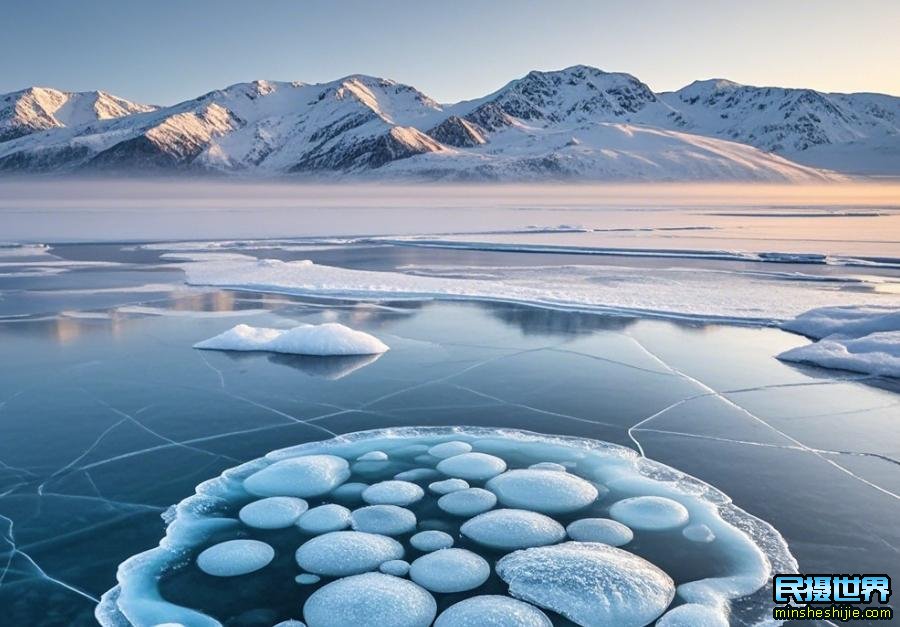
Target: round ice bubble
{"type": "Point", "coordinates": [472, 466]}
{"type": "Point", "coordinates": [492, 611]}
{"type": "Point", "coordinates": [312, 475]}
{"type": "Point", "coordinates": [275, 512]}
{"type": "Point", "coordinates": [431, 540]}
{"type": "Point", "coordinates": [307, 579]}
{"type": "Point", "coordinates": [549, 466]}
{"type": "Point", "coordinates": [235, 557]}
{"type": "Point", "coordinates": [389, 520]}
{"type": "Point", "coordinates": [601, 530]}
{"type": "Point", "coordinates": [450, 570]}
{"type": "Point", "coordinates": [370, 599]}
{"type": "Point", "coordinates": [397, 568]}
{"type": "Point", "coordinates": [342, 553]}
{"type": "Point", "coordinates": [449, 449]}
{"type": "Point", "coordinates": [417, 474]}
{"type": "Point", "coordinates": [698, 533]}
{"type": "Point", "coordinates": [373, 456]}
{"type": "Point", "coordinates": [325, 518]}
{"type": "Point", "coordinates": [511, 529]}
{"type": "Point", "coordinates": [395, 492]}
{"type": "Point", "coordinates": [349, 492]}
{"type": "Point", "coordinates": [650, 513]}
{"type": "Point", "coordinates": [589, 583]}
{"type": "Point", "coordinates": [289, 623]}
{"type": "Point", "coordinates": [448, 485]}
{"type": "Point", "coordinates": [468, 502]}
{"type": "Point", "coordinates": [693, 615]}
{"type": "Point", "coordinates": [546, 491]}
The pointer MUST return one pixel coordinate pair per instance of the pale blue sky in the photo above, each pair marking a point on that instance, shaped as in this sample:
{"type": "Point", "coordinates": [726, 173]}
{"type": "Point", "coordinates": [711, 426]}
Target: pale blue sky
{"type": "Point", "coordinates": [165, 51]}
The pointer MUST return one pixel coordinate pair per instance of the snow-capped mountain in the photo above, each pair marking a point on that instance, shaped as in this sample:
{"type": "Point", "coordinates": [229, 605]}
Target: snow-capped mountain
{"type": "Point", "coordinates": [576, 124]}
{"type": "Point", "coordinates": [40, 108]}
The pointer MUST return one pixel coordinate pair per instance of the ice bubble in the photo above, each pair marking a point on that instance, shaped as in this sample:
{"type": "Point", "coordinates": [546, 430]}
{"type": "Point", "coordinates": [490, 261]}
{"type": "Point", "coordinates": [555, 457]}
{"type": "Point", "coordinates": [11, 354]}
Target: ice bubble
{"type": "Point", "coordinates": [290, 623]}
{"type": "Point", "coordinates": [342, 553]}
{"type": "Point", "coordinates": [467, 502]}
{"type": "Point", "coordinates": [650, 513]}
{"type": "Point", "coordinates": [698, 533]}
{"type": "Point", "coordinates": [325, 518]}
{"type": "Point", "coordinates": [349, 492]}
{"type": "Point", "coordinates": [312, 475]}
{"type": "Point", "coordinates": [447, 486]}
{"type": "Point", "coordinates": [432, 540]}
{"type": "Point", "coordinates": [693, 615]}
{"type": "Point", "coordinates": [449, 449]}
{"type": "Point", "coordinates": [513, 529]}
{"type": "Point", "coordinates": [417, 474]}
{"type": "Point", "coordinates": [397, 568]}
{"type": "Point", "coordinates": [275, 512]}
{"type": "Point", "coordinates": [393, 493]}
{"type": "Point", "coordinates": [472, 466]}
{"type": "Point", "coordinates": [589, 583]}
{"type": "Point", "coordinates": [492, 611]}
{"type": "Point", "coordinates": [546, 491]}
{"type": "Point", "coordinates": [601, 530]}
{"type": "Point", "coordinates": [307, 579]}
{"type": "Point", "coordinates": [235, 557]}
{"type": "Point", "coordinates": [370, 599]}
{"type": "Point", "coordinates": [549, 466]}
{"type": "Point", "coordinates": [373, 456]}
{"type": "Point", "coordinates": [389, 520]}
{"type": "Point", "coordinates": [450, 570]}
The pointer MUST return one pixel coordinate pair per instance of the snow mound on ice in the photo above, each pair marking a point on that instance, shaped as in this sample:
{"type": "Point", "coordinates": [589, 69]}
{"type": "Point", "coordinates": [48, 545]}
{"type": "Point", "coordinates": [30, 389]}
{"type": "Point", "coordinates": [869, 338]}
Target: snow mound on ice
{"type": "Point", "coordinates": [449, 449]}
{"type": "Point", "coordinates": [588, 583]}
{"type": "Point", "coordinates": [601, 530]}
{"type": "Point", "coordinates": [397, 568]}
{"type": "Point", "coordinates": [547, 491]}
{"type": "Point", "coordinates": [313, 475]}
{"type": "Point", "coordinates": [373, 456]}
{"type": "Point", "coordinates": [693, 615]}
{"type": "Point", "coordinates": [492, 611]}
{"type": "Point", "coordinates": [468, 502]}
{"type": "Point", "coordinates": [329, 339]}
{"type": "Point", "coordinates": [389, 520]}
{"type": "Point", "coordinates": [235, 557]}
{"type": "Point", "coordinates": [650, 513]}
{"type": "Point", "coordinates": [370, 599]}
{"type": "Point", "coordinates": [343, 553]}
{"type": "Point", "coordinates": [432, 540]}
{"type": "Point", "coordinates": [450, 570]}
{"type": "Point", "coordinates": [513, 529]}
{"type": "Point", "coordinates": [448, 485]}
{"type": "Point", "coordinates": [859, 339]}
{"type": "Point", "coordinates": [472, 466]}
{"type": "Point", "coordinates": [275, 512]}
{"type": "Point", "coordinates": [324, 519]}
{"type": "Point", "coordinates": [395, 492]}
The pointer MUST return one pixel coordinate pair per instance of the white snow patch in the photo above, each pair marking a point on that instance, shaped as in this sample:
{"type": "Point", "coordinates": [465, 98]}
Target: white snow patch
{"type": "Point", "coordinates": [312, 475]}
{"type": "Point", "coordinates": [235, 557]}
{"type": "Point", "coordinates": [450, 570]}
{"type": "Point", "coordinates": [394, 492]}
{"type": "Point", "coordinates": [448, 485]}
{"type": "Point", "coordinates": [276, 512]}
{"type": "Point", "coordinates": [370, 599]}
{"type": "Point", "coordinates": [492, 611]}
{"type": "Point", "coordinates": [329, 339]}
{"type": "Point", "coordinates": [432, 540]}
{"type": "Point", "coordinates": [343, 553]}
{"type": "Point", "coordinates": [547, 491]}
{"type": "Point", "coordinates": [472, 466]}
{"type": "Point", "coordinates": [397, 568]}
{"type": "Point", "coordinates": [324, 519]}
{"type": "Point", "coordinates": [650, 513]}
{"type": "Point", "coordinates": [511, 529]}
{"type": "Point", "coordinates": [389, 520]}
{"type": "Point", "coordinates": [468, 502]}
{"type": "Point", "coordinates": [449, 449]}
{"type": "Point", "coordinates": [601, 530]}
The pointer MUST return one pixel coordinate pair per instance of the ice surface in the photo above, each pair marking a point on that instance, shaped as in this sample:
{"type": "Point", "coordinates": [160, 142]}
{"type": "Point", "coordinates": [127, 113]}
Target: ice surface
{"type": "Point", "coordinates": [589, 583]}
{"type": "Point", "coordinates": [397, 568]}
{"type": "Point", "coordinates": [698, 533]}
{"type": "Point", "coordinates": [370, 599]}
{"type": "Point", "coordinates": [601, 530]}
{"type": "Point", "coordinates": [342, 553]}
{"type": "Point", "coordinates": [513, 529]}
{"type": "Point", "coordinates": [275, 512]}
{"type": "Point", "coordinates": [693, 615]}
{"type": "Point", "coordinates": [468, 502]}
{"type": "Point", "coordinates": [448, 485]}
{"type": "Point", "coordinates": [860, 339]}
{"type": "Point", "coordinates": [492, 611]}
{"type": "Point", "coordinates": [472, 466]}
{"type": "Point", "coordinates": [449, 449]}
{"type": "Point", "coordinates": [313, 475]}
{"type": "Point", "coordinates": [389, 520]}
{"type": "Point", "coordinates": [325, 518]}
{"type": "Point", "coordinates": [431, 540]}
{"type": "Point", "coordinates": [235, 557]}
{"type": "Point", "coordinates": [395, 492]}
{"type": "Point", "coordinates": [547, 491]}
{"type": "Point", "coordinates": [450, 570]}
{"type": "Point", "coordinates": [323, 340]}
{"type": "Point", "coordinates": [650, 513]}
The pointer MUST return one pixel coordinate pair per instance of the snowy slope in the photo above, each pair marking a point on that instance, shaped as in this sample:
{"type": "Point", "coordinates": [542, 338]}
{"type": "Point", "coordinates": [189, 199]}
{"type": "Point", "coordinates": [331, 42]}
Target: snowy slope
{"type": "Point", "coordinates": [575, 124]}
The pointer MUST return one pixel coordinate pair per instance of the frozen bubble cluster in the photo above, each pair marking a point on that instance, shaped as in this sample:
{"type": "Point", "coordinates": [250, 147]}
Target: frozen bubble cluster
{"type": "Point", "coordinates": [452, 527]}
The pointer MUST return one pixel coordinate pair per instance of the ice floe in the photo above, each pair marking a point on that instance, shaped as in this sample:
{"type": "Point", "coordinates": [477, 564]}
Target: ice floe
{"type": "Point", "coordinates": [324, 518]}
{"type": "Point", "coordinates": [513, 529]}
{"type": "Point", "coordinates": [472, 466]}
{"type": "Point", "coordinates": [601, 530]}
{"type": "Point", "coordinates": [370, 599]}
{"type": "Point", "coordinates": [235, 557]}
{"type": "Point", "coordinates": [394, 492]}
{"type": "Point", "coordinates": [450, 570]}
{"type": "Point", "coordinates": [389, 520]}
{"type": "Point", "coordinates": [492, 611]}
{"type": "Point", "coordinates": [323, 340]}
{"type": "Point", "coordinates": [650, 513]}
{"type": "Point", "coordinates": [275, 512]}
{"type": "Point", "coordinates": [589, 583]}
{"type": "Point", "coordinates": [431, 540]}
{"type": "Point", "coordinates": [343, 553]}
{"type": "Point", "coordinates": [308, 476]}
{"type": "Point", "coordinates": [547, 491]}
{"type": "Point", "coordinates": [468, 502]}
